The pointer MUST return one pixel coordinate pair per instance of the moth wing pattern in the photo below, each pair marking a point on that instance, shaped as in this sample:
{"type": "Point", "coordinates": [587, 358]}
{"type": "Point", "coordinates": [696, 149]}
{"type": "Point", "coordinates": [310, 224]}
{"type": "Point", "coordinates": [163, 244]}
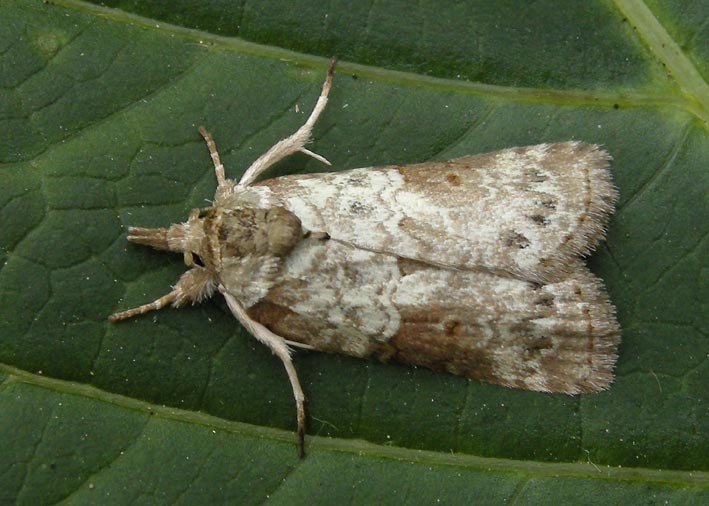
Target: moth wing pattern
{"type": "Point", "coordinates": [469, 265]}
{"type": "Point", "coordinates": [527, 211]}
{"type": "Point", "coordinates": [558, 337]}
{"type": "Point", "coordinates": [250, 277]}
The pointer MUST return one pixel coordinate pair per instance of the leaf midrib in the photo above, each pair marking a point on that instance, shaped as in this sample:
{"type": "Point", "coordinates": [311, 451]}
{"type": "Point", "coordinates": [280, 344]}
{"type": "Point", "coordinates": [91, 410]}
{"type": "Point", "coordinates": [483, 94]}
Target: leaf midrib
{"type": "Point", "coordinates": [695, 97]}
{"type": "Point", "coordinates": [667, 51]}
{"type": "Point", "coordinates": [362, 448]}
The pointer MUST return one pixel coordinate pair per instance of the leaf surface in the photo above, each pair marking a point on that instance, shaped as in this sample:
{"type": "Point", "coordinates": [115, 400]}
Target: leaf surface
{"type": "Point", "coordinates": [99, 109]}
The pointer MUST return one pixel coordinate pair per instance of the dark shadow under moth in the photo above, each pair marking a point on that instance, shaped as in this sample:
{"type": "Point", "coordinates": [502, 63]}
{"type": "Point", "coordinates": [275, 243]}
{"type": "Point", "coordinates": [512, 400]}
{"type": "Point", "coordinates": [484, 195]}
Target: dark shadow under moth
{"type": "Point", "coordinates": [470, 266]}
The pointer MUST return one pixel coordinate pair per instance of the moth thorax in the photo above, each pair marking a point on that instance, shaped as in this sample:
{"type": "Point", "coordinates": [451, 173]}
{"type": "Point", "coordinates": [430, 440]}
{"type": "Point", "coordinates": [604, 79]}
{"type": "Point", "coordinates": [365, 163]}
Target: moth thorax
{"type": "Point", "coordinates": [285, 231]}
{"type": "Point", "coordinates": [271, 231]}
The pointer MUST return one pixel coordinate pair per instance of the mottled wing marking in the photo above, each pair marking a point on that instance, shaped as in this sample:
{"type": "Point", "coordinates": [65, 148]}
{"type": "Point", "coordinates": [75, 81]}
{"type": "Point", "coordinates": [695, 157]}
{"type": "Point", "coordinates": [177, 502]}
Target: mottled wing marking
{"type": "Point", "coordinates": [249, 278]}
{"type": "Point", "coordinates": [558, 337]}
{"type": "Point", "coordinates": [550, 337]}
{"type": "Point", "coordinates": [524, 211]}
{"type": "Point", "coordinates": [342, 300]}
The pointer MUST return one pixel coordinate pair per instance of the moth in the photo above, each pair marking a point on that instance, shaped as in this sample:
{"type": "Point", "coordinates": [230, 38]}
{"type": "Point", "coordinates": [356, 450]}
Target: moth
{"type": "Point", "coordinates": [470, 266]}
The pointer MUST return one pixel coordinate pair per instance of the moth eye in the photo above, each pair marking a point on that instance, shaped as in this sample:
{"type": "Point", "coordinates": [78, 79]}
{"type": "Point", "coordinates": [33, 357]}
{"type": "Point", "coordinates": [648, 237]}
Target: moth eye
{"type": "Point", "coordinates": [197, 260]}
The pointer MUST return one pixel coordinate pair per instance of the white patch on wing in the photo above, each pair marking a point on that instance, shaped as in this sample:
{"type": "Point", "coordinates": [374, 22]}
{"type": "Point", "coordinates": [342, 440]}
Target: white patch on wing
{"type": "Point", "coordinates": [346, 288]}
{"type": "Point", "coordinates": [260, 197]}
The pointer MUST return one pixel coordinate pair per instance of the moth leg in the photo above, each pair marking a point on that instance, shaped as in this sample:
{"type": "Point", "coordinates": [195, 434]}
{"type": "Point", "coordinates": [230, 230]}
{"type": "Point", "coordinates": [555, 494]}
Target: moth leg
{"type": "Point", "coordinates": [280, 349]}
{"type": "Point", "coordinates": [218, 166]}
{"type": "Point", "coordinates": [194, 286]}
{"type": "Point", "coordinates": [295, 142]}
{"type": "Point", "coordinates": [159, 303]}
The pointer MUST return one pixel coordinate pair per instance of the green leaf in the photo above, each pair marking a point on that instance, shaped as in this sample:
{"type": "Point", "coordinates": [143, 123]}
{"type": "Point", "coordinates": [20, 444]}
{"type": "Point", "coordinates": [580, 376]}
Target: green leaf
{"type": "Point", "coordinates": [99, 110]}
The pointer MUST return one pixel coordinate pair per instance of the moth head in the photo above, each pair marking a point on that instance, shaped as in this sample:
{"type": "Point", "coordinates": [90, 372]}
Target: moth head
{"type": "Point", "coordinates": [187, 238]}
{"type": "Point", "coordinates": [195, 285]}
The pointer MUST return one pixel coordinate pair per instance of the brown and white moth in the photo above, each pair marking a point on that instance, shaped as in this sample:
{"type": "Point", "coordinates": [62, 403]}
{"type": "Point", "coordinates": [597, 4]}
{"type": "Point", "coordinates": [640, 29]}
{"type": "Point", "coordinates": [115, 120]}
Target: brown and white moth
{"type": "Point", "coordinates": [469, 266]}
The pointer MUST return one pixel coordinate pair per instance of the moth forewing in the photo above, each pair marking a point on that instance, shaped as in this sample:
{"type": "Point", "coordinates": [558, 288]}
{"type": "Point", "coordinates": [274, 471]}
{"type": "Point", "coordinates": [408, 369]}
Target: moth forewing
{"type": "Point", "coordinates": [555, 337]}
{"type": "Point", "coordinates": [526, 211]}
{"type": "Point", "coordinates": [469, 266]}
